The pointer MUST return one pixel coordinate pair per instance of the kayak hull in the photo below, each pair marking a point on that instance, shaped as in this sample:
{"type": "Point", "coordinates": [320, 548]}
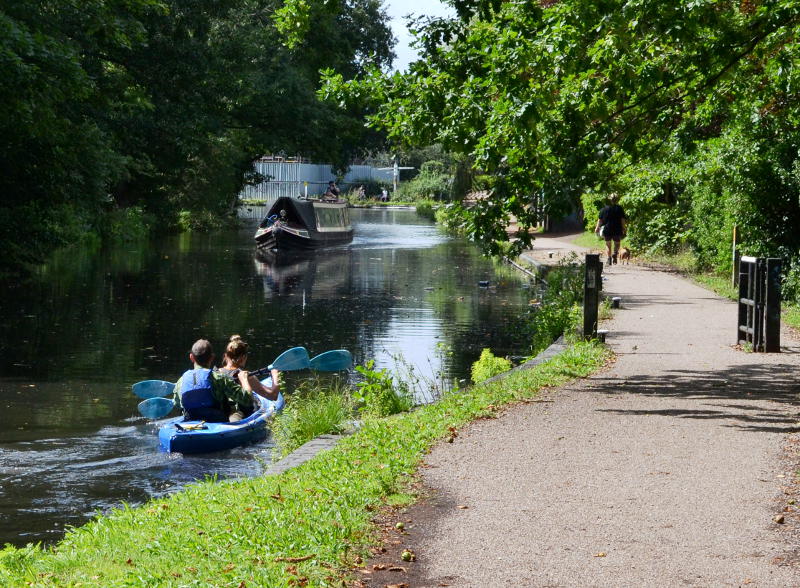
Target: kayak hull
{"type": "Point", "coordinates": [183, 436]}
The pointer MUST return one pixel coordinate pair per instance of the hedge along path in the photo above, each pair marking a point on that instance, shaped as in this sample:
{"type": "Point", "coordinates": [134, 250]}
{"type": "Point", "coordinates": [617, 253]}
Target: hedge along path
{"type": "Point", "coordinates": [306, 525]}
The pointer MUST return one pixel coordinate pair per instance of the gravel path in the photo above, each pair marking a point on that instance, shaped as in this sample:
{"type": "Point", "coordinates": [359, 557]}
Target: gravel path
{"type": "Point", "coordinates": [662, 470]}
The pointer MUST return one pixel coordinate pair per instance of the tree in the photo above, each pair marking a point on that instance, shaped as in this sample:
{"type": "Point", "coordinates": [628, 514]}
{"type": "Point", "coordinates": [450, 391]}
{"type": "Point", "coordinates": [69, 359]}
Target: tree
{"type": "Point", "coordinates": [161, 106]}
{"type": "Point", "coordinates": [561, 97]}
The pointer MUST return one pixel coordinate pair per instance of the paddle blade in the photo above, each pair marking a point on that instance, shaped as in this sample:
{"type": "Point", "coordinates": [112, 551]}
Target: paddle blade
{"type": "Point", "coordinates": [295, 358]}
{"type": "Point", "coordinates": [332, 361]}
{"type": "Point", "coordinates": [155, 408]}
{"type": "Point", "coordinates": [153, 388]}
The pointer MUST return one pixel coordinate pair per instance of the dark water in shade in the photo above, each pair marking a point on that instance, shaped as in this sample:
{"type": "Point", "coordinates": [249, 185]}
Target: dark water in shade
{"type": "Point", "coordinates": [73, 341]}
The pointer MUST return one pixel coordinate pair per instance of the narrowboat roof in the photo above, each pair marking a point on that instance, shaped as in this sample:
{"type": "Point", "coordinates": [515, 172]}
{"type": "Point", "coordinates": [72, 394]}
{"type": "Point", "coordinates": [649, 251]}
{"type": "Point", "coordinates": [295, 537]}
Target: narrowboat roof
{"type": "Point", "coordinates": [303, 209]}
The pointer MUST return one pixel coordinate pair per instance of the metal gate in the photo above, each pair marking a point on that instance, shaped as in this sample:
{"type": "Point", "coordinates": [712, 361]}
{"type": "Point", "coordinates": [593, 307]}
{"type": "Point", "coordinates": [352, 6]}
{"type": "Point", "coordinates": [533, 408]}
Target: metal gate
{"type": "Point", "coordinates": [760, 303]}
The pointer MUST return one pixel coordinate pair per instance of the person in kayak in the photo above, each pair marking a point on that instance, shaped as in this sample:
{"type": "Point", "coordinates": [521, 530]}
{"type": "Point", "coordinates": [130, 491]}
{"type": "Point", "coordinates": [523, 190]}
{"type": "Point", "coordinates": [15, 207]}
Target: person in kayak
{"type": "Point", "coordinates": [207, 395]}
{"type": "Point", "coordinates": [235, 359]}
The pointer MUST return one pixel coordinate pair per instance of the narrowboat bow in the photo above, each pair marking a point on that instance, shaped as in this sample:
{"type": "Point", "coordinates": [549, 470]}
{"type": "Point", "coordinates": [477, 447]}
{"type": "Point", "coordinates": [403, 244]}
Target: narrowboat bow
{"type": "Point", "coordinates": [294, 223]}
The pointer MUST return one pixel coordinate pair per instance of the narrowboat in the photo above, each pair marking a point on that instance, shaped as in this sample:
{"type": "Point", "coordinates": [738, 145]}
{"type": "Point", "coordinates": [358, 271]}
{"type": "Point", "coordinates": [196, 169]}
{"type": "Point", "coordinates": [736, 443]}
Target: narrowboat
{"type": "Point", "coordinates": [182, 436]}
{"type": "Point", "coordinates": [298, 223]}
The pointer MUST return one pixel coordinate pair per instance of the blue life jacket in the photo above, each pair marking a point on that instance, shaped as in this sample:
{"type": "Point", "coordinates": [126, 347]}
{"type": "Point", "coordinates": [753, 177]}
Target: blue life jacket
{"type": "Point", "coordinates": [196, 390]}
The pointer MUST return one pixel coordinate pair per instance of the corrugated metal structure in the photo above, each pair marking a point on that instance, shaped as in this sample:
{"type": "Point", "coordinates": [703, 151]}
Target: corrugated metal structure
{"type": "Point", "coordinates": [293, 177]}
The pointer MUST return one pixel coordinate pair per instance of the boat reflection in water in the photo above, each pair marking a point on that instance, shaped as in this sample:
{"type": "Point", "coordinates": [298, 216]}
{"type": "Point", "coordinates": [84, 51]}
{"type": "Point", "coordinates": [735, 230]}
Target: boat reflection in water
{"type": "Point", "coordinates": [295, 223]}
{"type": "Point", "coordinates": [285, 273]}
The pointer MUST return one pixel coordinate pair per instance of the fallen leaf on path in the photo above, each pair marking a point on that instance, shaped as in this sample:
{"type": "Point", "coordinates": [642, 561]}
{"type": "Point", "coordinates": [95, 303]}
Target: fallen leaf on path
{"type": "Point", "coordinates": [463, 506]}
{"type": "Point", "coordinates": [397, 569]}
{"type": "Point", "coordinates": [379, 567]}
{"type": "Point", "coordinates": [403, 585]}
{"type": "Point", "coordinates": [601, 554]}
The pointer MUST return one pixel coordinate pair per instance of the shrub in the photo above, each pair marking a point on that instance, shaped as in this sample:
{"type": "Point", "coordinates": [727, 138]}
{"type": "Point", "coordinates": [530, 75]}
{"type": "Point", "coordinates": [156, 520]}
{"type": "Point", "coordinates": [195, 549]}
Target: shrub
{"type": "Point", "coordinates": [425, 209]}
{"type": "Point", "coordinates": [489, 365]}
{"type": "Point", "coordinates": [377, 394]}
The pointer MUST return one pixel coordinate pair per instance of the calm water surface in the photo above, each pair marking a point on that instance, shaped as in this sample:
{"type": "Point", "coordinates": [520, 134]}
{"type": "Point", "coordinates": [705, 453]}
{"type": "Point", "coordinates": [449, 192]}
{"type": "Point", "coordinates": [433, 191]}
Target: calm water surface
{"type": "Point", "coordinates": [74, 340]}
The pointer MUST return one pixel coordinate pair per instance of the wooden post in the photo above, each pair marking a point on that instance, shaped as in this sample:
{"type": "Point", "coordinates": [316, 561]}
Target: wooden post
{"type": "Point", "coordinates": [743, 308]}
{"type": "Point", "coordinates": [591, 294]}
{"type": "Point", "coordinates": [773, 310]}
{"type": "Point", "coordinates": [736, 256]}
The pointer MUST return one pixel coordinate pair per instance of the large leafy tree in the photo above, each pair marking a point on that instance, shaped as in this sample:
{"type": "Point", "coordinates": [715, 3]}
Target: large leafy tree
{"type": "Point", "coordinates": [161, 106]}
{"type": "Point", "coordinates": [554, 98]}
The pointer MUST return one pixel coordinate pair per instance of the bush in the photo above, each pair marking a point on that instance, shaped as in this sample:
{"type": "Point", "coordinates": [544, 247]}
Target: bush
{"type": "Point", "coordinates": [559, 312]}
{"type": "Point", "coordinates": [426, 209]}
{"type": "Point", "coordinates": [489, 365]}
{"type": "Point", "coordinates": [377, 394]}
{"type": "Point", "coordinates": [126, 224]}
{"type": "Point", "coordinates": [199, 221]}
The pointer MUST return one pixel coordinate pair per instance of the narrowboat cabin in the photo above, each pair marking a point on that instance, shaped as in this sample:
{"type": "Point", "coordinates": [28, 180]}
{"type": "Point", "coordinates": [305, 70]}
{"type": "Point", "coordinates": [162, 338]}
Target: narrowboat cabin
{"type": "Point", "coordinates": [296, 223]}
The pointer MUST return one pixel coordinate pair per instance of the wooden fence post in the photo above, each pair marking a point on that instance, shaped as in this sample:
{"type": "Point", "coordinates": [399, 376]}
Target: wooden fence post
{"type": "Point", "coordinates": [773, 310]}
{"type": "Point", "coordinates": [593, 272]}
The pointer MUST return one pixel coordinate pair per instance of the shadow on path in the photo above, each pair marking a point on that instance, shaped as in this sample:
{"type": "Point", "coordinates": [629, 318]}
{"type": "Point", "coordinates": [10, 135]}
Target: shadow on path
{"type": "Point", "coordinates": [773, 383]}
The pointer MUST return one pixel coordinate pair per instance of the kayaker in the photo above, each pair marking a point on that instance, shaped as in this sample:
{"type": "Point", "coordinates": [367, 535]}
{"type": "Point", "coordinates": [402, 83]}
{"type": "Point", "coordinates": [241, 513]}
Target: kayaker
{"type": "Point", "coordinates": [207, 395]}
{"type": "Point", "coordinates": [235, 359]}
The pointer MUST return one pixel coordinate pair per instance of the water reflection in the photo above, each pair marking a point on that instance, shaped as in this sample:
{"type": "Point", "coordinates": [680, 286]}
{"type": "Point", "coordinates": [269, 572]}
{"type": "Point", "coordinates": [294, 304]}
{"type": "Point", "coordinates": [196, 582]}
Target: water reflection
{"type": "Point", "coordinates": [76, 338]}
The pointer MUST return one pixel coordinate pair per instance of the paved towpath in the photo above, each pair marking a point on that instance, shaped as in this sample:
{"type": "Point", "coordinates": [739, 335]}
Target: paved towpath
{"type": "Point", "coordinates": [664, 469]}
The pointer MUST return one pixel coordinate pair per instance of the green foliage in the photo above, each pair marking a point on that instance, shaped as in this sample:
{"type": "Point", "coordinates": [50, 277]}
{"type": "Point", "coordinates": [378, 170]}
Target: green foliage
{"type": "Point", "coordinates": [426, 209]}
{"type": "Point", "coordinates": [452, 217]}
{"type": "Point", "coordinates": [377, 393]}
{"type": "Point", "coordinates": [432, 182]}
{"type": "Point", "coordinates": [559, 311]}
{"type": "Point", "coordinates": [315, 408]}
{"type": "Point", "coordinates": [162, 105]}
{"type": "Point", "coordinates": [127, 224]}
{"type": "Point", "coordinates": [489, 365]}
{"type": "Point", "coordinates": [688, 109]}
{"type": "Point", "coordinates": [199, 221]}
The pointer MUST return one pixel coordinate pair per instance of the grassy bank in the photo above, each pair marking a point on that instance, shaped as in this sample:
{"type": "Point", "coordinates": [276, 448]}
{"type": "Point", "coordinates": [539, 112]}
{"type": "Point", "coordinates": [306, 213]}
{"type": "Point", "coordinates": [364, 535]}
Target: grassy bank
{"type": "Point", "coordinates": [304, 527]}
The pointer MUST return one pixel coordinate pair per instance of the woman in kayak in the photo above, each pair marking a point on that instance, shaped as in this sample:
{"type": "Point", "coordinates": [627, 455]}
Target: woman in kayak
{"type": "Point", "coordinates": [235, 359]}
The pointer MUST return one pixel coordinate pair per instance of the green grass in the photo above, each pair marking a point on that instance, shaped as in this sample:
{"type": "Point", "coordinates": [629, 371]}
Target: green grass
{"type": "Point", "coordinates": [791, 315]}
{"type": "Point", "coordinates": [307, 525]}
{"type": "Point", "coordinates": [589, 240]}
{"type": "Point", "coordinates": [310, 412]}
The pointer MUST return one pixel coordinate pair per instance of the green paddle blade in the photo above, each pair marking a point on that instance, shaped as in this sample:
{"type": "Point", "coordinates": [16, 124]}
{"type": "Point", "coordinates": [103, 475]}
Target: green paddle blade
{"type": "Point", "coordinates": [295, 358]}
{"type": "Point", "coordinates": [155, 408]}
{"type": "Point", "coordinates": [332, 361]}
{"type": "Point", "coordinates": [153, 388]}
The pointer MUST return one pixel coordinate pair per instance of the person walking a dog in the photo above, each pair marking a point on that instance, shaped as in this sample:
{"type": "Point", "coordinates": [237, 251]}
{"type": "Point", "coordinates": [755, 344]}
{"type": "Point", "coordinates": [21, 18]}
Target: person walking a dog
{"type": "Point", "coordinates": [612, 225]}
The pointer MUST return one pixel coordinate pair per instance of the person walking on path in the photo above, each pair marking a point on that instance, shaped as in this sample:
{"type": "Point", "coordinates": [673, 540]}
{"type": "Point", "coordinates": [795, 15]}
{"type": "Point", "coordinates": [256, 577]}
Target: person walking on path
{"type": "Point", "coordinates": [662, 470]}
{"type": "Point", "coordinates": [614, 225]}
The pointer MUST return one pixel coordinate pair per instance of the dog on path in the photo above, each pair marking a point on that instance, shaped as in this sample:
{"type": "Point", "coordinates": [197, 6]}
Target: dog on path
{"type": "Point", "coordinates": [624, 255]}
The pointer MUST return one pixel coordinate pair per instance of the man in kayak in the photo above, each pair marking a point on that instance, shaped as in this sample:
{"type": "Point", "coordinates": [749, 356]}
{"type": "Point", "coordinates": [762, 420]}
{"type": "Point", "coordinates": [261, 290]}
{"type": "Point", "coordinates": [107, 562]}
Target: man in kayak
{"type": "Point", "coordinates": [207, 395]}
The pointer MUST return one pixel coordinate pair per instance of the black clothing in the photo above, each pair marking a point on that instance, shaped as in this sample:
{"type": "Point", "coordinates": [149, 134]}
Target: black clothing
{"type": "Point", "coordinates": [611, 219]}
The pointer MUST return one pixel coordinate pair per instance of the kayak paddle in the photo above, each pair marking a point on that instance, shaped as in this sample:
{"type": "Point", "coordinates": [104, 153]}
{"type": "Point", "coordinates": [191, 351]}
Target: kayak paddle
{"type": "Point", "coordinates": [332, 361]}
{"type": "Point", "coordinates": [295, 358]}
{"type": "Point", "coordinates": [155, 408]}
{"type": "Point", "coordinates": [153, 388]}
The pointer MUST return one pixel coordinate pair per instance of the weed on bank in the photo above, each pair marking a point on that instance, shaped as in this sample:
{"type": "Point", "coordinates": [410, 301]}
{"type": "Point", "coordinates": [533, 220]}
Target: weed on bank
{"type": "Point", "coordinates": [304, 527]}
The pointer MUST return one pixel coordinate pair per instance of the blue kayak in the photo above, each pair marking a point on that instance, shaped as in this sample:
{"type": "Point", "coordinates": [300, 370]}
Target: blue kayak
{"type": "Point", "coordinates": [182, 436]}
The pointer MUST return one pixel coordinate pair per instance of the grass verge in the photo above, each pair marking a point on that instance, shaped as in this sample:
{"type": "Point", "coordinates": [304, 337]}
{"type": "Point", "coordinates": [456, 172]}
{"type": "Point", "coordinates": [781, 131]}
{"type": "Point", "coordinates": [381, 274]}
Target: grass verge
{"type": "Point", "coordinates": [304, 527]}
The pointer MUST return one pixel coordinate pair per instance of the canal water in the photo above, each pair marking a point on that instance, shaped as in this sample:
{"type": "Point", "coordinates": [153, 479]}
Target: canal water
{"type": "Point", "coordinates": [74, 339]}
